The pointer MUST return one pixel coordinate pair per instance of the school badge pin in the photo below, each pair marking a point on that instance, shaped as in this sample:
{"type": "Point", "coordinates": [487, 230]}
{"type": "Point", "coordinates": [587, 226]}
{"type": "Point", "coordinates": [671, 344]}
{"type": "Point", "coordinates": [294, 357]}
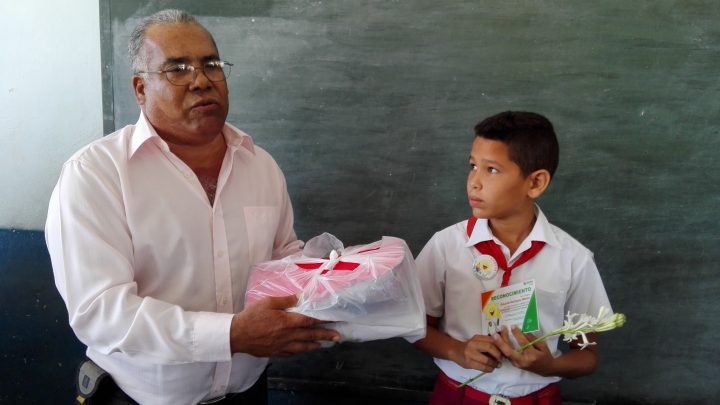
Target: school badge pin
{"type": "Point", "coordinates": [485, 267]}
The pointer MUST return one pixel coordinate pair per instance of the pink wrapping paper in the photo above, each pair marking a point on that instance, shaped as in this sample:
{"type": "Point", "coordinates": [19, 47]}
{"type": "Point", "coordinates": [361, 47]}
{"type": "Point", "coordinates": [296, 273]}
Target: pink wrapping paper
{"type": "Point", "coordinates": [369, 291]}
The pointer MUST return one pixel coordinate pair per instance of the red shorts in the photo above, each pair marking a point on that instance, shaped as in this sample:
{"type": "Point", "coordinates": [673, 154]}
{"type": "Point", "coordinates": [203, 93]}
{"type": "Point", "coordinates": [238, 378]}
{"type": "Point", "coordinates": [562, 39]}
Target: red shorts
{"type": "Point", "coordinates": [446, 392]}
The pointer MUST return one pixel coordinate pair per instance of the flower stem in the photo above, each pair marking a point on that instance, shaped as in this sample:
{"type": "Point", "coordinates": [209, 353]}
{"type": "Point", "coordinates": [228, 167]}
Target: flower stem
{"type": "Point", "coordinates": [571, 329]}
{"type": "Point", "coordinates": [540, 339]}
{"type": "Point", "coordinates": [520, 349]}
{"type": "Point", "coordinates": [471, 380]}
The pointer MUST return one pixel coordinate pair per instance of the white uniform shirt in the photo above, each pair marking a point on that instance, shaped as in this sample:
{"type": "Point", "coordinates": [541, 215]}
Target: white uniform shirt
{"type": "Point", "coordinates": [151, 273]}
{"type": "Point", "coordinates": [566, 279]}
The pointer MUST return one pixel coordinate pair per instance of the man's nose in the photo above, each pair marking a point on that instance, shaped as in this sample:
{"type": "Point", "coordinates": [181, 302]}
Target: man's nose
{"type": "Point", "coordinates": [199, 79]}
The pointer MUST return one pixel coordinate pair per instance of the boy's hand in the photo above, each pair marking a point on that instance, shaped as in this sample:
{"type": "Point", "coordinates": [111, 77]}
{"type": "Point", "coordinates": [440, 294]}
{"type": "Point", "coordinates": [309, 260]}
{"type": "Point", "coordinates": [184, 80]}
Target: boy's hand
{"type": "Point", "coordinates": [536, 358]}
{"type": "Point", "coordinates": [479, 353]}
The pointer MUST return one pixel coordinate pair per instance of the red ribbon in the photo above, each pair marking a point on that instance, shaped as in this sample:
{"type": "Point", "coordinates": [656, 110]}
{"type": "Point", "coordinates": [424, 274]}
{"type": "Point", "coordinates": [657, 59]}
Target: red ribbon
{"type": "Point", "coordinates": [489, 247]}
{"type": "Point", "coordinates": [337, 266]}
{"type": "Point", "coordinates": [340, 265]}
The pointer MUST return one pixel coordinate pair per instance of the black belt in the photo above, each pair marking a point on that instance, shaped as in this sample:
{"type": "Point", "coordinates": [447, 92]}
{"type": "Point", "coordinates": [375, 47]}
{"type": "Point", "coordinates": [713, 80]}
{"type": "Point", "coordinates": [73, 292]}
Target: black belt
{"type": "Point", "coordinates": [257, 394]}
{"type": "Point", "coordinates": [108, 393]}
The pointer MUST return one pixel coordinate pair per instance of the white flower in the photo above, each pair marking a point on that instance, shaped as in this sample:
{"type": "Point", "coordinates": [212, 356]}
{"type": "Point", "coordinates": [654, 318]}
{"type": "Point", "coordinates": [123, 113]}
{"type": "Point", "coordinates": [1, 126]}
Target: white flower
{"type": "Point", "coordinates": [587, 324]}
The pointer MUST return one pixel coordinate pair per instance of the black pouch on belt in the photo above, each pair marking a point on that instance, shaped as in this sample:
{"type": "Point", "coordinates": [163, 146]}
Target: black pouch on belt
{"type": "Point", "coordinates": [90, 379]}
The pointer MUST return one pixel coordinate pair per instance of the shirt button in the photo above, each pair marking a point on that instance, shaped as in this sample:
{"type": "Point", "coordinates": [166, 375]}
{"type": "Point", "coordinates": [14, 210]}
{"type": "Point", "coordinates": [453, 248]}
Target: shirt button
{"type": "Point", "coordinates": [220, 253]}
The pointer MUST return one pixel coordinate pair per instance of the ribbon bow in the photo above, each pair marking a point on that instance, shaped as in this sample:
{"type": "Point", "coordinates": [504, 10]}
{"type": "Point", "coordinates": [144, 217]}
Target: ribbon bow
{"type": "Point", "coordinates": [332, 262]}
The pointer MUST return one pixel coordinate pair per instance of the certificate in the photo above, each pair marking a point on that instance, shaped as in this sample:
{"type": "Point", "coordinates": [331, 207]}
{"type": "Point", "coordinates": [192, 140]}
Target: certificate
{"type": "Point", "coordinates": [507, 306]}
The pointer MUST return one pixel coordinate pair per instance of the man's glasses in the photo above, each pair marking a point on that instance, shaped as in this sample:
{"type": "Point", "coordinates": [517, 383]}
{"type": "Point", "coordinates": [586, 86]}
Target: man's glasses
{"type": "Point", "coordinates": [184, 74]}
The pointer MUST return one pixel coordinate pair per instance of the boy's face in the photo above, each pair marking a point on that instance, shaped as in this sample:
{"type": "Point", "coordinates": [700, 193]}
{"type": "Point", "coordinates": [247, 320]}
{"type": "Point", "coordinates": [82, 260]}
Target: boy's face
{"type": "Point", "coordinates": [496, 186]}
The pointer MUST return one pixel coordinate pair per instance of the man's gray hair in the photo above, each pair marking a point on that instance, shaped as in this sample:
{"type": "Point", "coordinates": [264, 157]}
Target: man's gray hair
{"type": "Point", "coordinates": [138, 58]}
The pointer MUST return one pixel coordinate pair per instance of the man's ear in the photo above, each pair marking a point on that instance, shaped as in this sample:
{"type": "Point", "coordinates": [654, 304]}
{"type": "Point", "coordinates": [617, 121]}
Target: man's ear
{"type": "Point", "coordinates": [138, 84]}
{"type": "Point", "coordinates": [539, 181]}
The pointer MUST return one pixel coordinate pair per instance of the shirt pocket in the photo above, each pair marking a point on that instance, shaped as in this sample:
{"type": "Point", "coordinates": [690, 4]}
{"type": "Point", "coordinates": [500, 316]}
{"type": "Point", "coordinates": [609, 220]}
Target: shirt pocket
{"type": "Point", "coordinates": [261, 223]}
{"type": "Point", "coordinates": [551, 309]}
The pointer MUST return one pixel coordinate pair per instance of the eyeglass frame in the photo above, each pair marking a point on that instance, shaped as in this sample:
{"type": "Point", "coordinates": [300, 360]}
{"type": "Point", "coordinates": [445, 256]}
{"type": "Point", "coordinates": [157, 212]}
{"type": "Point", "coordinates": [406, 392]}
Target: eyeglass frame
{"type": "Point", "coordinates": [194, 70]}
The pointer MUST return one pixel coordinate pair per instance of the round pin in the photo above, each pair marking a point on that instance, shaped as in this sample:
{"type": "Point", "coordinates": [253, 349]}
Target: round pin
{"type": "Point", "coordinates": [485, 267]}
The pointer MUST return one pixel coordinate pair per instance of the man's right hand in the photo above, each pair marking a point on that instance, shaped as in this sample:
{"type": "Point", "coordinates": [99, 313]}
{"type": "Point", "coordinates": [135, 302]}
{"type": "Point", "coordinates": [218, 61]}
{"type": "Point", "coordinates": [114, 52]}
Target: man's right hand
{"type": "Point", "coordinates": [265, 329]}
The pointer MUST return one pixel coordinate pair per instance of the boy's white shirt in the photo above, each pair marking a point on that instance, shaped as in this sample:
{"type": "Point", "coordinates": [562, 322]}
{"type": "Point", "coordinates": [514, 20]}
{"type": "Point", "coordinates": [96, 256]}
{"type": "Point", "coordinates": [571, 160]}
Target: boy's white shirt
{"type": "Point", "coordinates": [566, 279]}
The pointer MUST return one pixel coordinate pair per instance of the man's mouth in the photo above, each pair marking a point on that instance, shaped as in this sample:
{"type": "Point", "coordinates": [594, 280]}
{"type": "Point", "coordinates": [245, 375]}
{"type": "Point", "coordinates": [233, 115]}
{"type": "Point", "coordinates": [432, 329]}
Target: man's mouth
{"type": "Point", "coordinates": [204, 105]}
{"type": "Point", "coordinates": [204, 102]}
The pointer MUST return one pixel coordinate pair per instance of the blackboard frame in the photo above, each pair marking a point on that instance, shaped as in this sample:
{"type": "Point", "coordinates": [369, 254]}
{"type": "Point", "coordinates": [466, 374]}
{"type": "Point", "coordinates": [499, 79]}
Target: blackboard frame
{"type": "Point", "coordinates": [630, 88]}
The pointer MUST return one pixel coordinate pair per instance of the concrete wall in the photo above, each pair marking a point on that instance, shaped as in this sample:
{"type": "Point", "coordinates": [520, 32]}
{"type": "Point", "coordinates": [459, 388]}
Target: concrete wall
{"type": "Point", "coordinates": [50, 106]}
{"type": "Point", "coordinates": [50, 99]}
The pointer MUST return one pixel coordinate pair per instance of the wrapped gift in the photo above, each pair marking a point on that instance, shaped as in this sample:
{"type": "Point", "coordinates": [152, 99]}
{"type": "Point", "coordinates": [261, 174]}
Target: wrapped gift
{"type": "Point", "coordinates": [368, 292]}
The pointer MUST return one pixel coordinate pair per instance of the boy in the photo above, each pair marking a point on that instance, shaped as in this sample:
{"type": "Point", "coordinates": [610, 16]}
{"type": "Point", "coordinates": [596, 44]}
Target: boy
{"type": "Point", "coordinates": [512, 160]}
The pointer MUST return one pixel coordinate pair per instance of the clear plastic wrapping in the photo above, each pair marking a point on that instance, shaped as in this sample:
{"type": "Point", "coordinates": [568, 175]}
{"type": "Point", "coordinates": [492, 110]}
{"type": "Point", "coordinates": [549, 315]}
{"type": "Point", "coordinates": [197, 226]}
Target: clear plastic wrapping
{"type": "Point", "coordinates": [368, 292]}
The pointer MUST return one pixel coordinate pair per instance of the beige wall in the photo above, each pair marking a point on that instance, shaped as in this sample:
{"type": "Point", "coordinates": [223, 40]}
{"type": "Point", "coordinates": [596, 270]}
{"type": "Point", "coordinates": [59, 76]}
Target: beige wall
{"type": "Point", "coordinates": [50, 99]}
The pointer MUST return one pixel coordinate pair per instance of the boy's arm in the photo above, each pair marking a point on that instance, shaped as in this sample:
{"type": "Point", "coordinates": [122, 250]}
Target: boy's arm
{"type": "Point", "coordinates": [539, 360]}
{"type": "Point", "coordinates": [478, 353]}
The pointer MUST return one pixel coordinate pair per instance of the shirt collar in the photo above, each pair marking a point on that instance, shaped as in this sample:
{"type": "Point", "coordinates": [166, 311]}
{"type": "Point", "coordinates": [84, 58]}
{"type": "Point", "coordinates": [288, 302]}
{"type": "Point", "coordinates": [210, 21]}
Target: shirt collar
{"type": "Point", "coordinates": [145, 133]}
{"type": "Point", "coordinates": [236, 138]}
{"type": "Point", "coordinates": [542, 231]}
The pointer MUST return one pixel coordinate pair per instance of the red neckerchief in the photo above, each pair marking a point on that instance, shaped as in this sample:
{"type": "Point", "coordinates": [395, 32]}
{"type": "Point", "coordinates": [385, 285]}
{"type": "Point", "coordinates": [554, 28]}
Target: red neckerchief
{"type": "Point", "coordinates": [489, 247]}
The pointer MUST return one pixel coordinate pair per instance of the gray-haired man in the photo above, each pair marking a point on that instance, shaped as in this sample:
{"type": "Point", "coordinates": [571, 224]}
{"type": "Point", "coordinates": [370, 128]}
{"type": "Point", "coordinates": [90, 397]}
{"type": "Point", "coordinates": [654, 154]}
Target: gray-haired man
{"type": "Point", "coordinates": [152, 231]}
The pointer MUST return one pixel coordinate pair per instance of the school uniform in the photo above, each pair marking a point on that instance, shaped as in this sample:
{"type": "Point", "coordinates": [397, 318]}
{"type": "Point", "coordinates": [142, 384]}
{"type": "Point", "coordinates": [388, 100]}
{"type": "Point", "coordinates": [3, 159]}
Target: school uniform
{"type": "Point", "coordinates": [566, 279]}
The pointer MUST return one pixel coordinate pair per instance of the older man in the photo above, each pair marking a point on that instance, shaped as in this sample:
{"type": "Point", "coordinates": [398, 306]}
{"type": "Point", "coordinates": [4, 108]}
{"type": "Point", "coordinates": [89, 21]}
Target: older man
{"type": "Point", "coordinates": [152, 231]}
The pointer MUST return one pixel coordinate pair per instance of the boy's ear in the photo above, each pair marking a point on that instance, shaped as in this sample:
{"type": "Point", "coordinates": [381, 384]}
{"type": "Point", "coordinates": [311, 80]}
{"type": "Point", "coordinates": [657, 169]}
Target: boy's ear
{"type": "Point", "coordinates": [539, 181]}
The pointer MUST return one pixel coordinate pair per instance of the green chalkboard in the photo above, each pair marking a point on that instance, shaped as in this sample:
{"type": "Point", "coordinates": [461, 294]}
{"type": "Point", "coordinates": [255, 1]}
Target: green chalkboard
{"type": "Point", "coordinates": [368, 106]}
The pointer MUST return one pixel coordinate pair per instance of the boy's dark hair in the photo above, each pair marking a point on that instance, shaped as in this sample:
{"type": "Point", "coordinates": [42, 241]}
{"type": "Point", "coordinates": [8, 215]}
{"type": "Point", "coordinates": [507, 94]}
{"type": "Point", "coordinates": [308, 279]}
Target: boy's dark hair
{"type": "Point", "coordinates": [530, 139]}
